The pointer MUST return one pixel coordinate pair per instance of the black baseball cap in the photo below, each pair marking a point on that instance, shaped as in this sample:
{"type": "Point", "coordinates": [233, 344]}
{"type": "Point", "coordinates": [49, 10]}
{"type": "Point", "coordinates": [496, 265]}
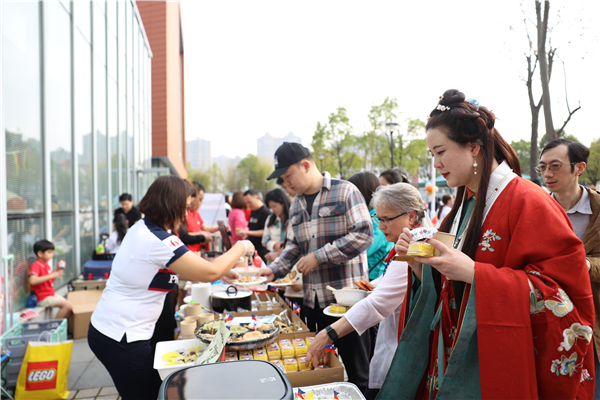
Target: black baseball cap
{"type": "Point", "coordinates": [287, 155]}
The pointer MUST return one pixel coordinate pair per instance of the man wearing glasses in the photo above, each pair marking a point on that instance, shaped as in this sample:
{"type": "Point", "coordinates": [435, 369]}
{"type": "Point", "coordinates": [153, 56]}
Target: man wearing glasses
{"type": "Point", "coordinates": [561, 163]}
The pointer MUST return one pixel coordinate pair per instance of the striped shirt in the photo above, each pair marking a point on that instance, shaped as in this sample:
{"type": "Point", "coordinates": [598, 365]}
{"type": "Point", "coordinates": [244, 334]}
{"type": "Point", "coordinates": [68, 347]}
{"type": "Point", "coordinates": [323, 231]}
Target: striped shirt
{"type": "Point", "coordinates": [339, 231]}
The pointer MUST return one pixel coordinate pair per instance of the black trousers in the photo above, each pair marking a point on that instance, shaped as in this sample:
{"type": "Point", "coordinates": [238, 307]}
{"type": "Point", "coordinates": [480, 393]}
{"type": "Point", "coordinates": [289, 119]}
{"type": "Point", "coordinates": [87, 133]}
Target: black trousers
{"type": "Point", "coordinates": [354, 349]}
{"type": "Point", "coordinates": [129, 365]}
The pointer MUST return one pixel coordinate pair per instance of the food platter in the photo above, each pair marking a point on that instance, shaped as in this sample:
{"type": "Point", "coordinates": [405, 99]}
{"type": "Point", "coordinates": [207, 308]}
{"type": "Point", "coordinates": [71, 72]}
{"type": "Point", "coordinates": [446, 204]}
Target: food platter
{"type": "Point", "coordinates": [202, 333]}
{"type": "Point", "coordinates": [329, 313]}
{"type": "Point", "coordinates": [280, 283]}
{"type": "Point", "coordinates": [258, 281]}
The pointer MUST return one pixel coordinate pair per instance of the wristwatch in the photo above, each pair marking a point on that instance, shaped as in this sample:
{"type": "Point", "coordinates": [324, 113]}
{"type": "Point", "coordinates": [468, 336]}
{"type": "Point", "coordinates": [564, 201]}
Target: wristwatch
{"type": "Point", "coordinates": [331, 333]}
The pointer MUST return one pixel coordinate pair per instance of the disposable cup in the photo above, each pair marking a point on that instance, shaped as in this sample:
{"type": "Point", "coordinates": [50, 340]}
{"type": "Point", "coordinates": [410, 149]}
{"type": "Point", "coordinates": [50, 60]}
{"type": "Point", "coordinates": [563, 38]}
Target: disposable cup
{"type": "Point", "coordinates": [187, 327]}
{"type": "Point", "coordinates": [194, 319]}
{"type": "Point", "coordinates": [445, 238]}
{"type": "Point", "coordinates": [192, 310]}
{"type": "Point", "coordinates": [204, 318]}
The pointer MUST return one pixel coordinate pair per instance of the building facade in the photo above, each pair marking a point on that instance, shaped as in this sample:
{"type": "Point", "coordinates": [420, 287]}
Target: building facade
{"type": "Point", "coordinates": [198, 154]}
{"type": "Point", "coordinates": [267, 144]}
{"type": "Point", "coordinates": [76, 115]}
{"type": "Point", "coordinates": [162, 22]}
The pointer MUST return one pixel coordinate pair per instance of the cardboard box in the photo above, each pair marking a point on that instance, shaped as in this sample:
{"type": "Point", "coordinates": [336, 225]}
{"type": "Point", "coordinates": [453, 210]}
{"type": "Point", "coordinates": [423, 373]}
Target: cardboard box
{"type": "Point", "coordinates": [84, 303]}
{"type": "Point", "coordinates": [291, 315]}
{"type": "Point", "coordinates": [333, 373]}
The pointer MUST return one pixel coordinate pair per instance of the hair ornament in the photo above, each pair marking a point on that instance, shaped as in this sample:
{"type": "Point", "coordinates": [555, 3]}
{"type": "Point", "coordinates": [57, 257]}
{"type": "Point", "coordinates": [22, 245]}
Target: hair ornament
{"type": "Point", "coordinates": [473, 101]}
{"type": "Point", "coordinates": [442, 108]}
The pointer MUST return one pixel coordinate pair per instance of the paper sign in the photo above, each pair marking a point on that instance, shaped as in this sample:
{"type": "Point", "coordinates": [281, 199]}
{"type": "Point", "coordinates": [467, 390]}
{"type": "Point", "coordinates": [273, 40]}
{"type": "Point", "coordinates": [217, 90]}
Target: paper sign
{"type": "Point", "coordinates": [212, 354]}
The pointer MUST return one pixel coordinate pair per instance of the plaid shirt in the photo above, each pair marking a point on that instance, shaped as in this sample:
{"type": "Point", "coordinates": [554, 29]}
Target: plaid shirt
{"type": "Point", "coordinates": [339, 231]}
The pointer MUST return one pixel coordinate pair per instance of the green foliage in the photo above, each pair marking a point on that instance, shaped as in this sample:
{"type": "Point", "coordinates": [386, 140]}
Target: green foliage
{"type": "Point", "coordinates": [336, 141]}
{"type": "Point", "coordinates": [346, 154]}
{"type": "Point", "coordinates": [523, 150]}
{"type": "Point", "coordinates": [252, 173]}
{"type": "Point", "coordinates": [203, 177]}
{"type": "Point", "coordinates": [592, 172]}
{"type": "Point", "coordinates": [563, 135]}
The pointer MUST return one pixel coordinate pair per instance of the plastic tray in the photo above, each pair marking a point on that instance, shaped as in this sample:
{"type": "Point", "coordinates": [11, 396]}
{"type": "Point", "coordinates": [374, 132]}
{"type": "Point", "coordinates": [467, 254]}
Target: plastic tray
{"type": "Point", "coordinates": [173, 345]}
{"type": "Point", "coordinates": [326, 391]}
{"type": "Point", "coordinates": [17, 338]}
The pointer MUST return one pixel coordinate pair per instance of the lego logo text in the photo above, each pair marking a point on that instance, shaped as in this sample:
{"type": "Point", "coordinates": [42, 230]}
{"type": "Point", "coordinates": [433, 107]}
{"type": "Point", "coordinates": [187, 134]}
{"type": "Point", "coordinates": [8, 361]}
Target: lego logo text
{"type": "Point", "coordinates": [39, 376]}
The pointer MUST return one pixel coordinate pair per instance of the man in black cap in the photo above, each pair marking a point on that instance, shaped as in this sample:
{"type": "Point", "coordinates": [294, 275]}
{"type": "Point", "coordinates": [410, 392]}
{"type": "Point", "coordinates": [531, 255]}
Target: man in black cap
{"type": "Point", "coordinates": [332, 230]}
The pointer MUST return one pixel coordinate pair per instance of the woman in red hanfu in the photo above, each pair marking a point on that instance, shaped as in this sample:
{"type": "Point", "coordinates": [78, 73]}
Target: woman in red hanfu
{"type": "Point", "coordinates": [507, 313]}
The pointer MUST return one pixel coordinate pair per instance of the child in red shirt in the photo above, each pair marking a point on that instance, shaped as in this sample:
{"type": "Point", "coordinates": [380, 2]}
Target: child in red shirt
{"type": "Point", "coordinates": [41, 278]}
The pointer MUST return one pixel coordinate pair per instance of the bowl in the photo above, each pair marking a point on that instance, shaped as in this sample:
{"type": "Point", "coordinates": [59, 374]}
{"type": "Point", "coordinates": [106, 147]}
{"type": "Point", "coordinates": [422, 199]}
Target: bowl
{"type": "Point", "coordinates": [247, 271]}
{"type": "Point", "coordinates": [349, 297]}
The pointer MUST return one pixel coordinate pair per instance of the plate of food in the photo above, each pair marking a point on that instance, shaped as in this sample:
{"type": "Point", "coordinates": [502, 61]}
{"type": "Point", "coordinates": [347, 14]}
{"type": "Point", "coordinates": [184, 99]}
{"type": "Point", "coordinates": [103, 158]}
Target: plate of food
{"type": "Point", "coordinates": [242, 337]}
{"type": "Point", "coordinates": [281, 282]}
{"type": "Point", "coordinates": [250, 280]}
{"type": "Point", "coordinates": [335, 310]}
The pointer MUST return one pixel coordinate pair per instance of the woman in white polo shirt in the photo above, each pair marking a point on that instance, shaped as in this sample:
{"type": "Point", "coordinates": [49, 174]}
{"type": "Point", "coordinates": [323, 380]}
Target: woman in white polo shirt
{"type": "Point", "coordinates": [148, 265]}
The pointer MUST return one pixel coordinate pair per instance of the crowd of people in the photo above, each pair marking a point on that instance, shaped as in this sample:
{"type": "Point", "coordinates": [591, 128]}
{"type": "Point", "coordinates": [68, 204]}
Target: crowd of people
{"type": "Point", "coordinates": [506, 311]}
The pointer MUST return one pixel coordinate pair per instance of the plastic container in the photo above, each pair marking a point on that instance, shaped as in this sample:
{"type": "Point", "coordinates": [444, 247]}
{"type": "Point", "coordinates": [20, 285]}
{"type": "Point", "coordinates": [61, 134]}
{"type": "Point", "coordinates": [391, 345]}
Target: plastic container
{"type": "Point", "coordinates": [17, 338]}
{"type": "Point", "coordinates": [349, 297]}
{"type": "Point", "coordinates": [229, 380]}
{"type": "Point", "coordinates": [173, 345]}
{"type": "Point", "coordinates": [326, 391]}
{"type": "Point", "coordinates": [97, 268]}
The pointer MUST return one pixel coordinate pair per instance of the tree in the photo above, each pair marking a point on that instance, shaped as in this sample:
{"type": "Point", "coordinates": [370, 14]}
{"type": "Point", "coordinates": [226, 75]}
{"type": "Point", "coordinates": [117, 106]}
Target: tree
{"type": "Point", "coordinates": [335, 139]}
{"type": "Point", "coordinates": [522, 148]}
{"type": "Point", "coordinates": [253, 172]}
{"type": "Point", "coordinates": [197, 175]}
{"type": "Point", "coordinates": [592, 172]}
{"type": "Point", "coordinates": [542, 54]}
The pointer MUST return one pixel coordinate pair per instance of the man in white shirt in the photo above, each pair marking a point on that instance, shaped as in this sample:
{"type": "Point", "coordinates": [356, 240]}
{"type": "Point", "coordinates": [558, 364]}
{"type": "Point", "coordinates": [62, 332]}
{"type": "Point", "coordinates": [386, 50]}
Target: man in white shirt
{"type": "Point", "coordinates": [561, 163]}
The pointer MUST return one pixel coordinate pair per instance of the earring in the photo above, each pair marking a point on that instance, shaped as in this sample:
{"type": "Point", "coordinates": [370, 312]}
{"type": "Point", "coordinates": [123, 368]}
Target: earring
{"type": "Point", "coordinates": [475, 167]}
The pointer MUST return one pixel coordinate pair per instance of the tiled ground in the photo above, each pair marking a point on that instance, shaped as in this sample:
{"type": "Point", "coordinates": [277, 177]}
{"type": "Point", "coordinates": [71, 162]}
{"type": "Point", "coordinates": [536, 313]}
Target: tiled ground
{"type": "Point", "coordinates": [88, 379]}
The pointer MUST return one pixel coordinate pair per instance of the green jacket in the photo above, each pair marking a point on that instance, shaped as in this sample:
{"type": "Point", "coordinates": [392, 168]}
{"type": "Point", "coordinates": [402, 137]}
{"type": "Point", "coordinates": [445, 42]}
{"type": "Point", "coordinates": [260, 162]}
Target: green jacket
{"type": "Point", "coordinates": [379, 250]}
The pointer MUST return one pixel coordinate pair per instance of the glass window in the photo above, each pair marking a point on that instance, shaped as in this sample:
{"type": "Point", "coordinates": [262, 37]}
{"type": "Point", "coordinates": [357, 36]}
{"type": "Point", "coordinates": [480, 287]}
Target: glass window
{"type": "Point", "coordinates": [67, 5]}
{"type": "Point", "coordinates": [123, 139]}
{"type": "Point", "coordinates": [57, 65]}
{"type": "Point", "coordinates": [101, 5]}
{"type": "Point", "coordinates": [82, 18]}
{"type": "Point", "coordinates": [101, 148]}
{"type": "Point", "coordinates": [111, 16]}
{"type": "Point", "coordinates": [82, 105]}
{"type": "Point", "coordinates": [111, 55]}
{"type": "Point", "coordinates": [21, 112]}
{"type": "Point", "coordinates": [99, 39]}
{"type": "Point", "coordinates": [113, 130]}
{"type": "Point", "coordinates": [121, 36]}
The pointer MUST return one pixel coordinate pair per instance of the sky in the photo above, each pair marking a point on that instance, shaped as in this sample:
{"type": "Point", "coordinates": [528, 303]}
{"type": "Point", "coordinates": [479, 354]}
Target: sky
{"type": "Point", "coordinates": [253, 67]}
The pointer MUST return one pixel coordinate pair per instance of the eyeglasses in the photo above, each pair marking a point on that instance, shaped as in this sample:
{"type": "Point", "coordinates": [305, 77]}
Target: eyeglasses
{"type": "Point", "coordinates": [385, 220]}
{"type": "Point", "coordinates": [553, 168]}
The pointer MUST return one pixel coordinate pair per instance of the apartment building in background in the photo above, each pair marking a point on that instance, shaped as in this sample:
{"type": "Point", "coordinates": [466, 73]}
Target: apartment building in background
{"type": "Point", "coordinates": [267, 144]}
{"type": "Point", "coordinates": [198, 154]}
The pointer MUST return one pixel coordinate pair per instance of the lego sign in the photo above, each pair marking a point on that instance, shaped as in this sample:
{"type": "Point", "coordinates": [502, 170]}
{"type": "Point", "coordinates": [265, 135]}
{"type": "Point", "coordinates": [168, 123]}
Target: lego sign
{"type": "Point", "coordinates": [41, 375]}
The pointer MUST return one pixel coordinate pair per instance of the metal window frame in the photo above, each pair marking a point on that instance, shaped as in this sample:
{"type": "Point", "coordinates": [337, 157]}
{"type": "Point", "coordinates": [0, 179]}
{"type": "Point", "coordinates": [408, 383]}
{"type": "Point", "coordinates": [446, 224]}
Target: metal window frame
{"type": "Point", "coordinates": [75, 162]}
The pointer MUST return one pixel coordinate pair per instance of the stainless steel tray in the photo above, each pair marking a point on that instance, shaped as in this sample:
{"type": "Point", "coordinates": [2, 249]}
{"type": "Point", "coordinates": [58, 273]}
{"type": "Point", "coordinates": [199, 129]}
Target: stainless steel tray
{"type": "Point", "coordinates": [326, 391]}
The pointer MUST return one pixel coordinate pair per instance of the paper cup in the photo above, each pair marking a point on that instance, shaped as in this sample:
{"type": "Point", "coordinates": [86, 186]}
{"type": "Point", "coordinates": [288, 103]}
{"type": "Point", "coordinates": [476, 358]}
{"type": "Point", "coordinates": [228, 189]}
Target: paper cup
{"type": "Point", "coordinates": [187, 337]}
{"type": "Point", "coordinates": [192, 310]}
{"type": "Point", "coordinates": [187, 327]}
{"type": "Point", "coordinates": [204, 318]}
{"type": "Point", "coordinates": [445, 238]}
{"type": "Point", "coordinates": [193, 319]}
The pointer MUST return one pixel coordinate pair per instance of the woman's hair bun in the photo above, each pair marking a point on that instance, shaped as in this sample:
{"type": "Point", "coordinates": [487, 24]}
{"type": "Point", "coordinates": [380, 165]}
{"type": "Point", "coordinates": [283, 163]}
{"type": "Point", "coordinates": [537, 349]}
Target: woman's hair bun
{"type": "Point", "coordinates": [452, 96]}
{"type": "Point", "coordinates": [453, 99]}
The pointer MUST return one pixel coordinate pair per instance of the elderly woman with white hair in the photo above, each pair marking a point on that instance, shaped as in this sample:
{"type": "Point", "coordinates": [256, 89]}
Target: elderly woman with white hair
{"type": "Point", "coordinates": [398, 206]}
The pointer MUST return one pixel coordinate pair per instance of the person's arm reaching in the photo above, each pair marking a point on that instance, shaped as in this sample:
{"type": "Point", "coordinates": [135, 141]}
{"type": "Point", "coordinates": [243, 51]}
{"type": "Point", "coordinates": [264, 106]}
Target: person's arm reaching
{"type": "Point", "coordinates": [193, 268]}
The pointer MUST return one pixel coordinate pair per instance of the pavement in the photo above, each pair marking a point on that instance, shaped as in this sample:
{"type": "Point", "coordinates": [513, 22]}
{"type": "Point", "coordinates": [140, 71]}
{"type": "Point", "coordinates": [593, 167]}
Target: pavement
{"type": "Point", "coordinates": [88, 379]}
